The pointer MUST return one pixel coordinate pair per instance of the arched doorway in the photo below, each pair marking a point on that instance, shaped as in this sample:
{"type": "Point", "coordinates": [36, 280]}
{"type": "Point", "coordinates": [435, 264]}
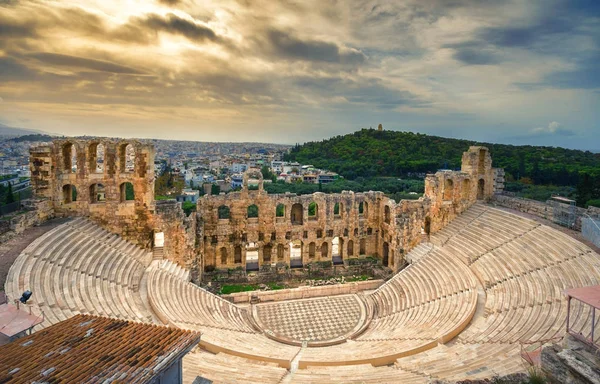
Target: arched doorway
{"type": "Point", "coordinates": [251, 257]}
{"type": "Point", "coordinates": [386, 254]}
{"type": "Point", "coordinates": [480, 189]}
{"type": "Point", "coordinates": [295, 254]}
{"type": "Point", "coordinates": [324, 250]}
{"type": "Point", "coordinates": [427, 226]}
{"type": "Point", "coordinates": [337, 250]}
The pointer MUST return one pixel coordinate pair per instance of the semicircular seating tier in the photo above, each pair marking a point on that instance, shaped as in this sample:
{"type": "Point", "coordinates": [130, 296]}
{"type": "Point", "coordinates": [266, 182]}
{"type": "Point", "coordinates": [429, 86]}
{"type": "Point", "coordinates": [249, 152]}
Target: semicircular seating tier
{"type": "Point", "coordinates": [484, 287]}
{"type": "Point", "coordinates": [79, 267]}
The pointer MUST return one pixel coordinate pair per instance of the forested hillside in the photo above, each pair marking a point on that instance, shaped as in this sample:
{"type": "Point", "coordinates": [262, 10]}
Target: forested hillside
{"type": "Point", "coordinates": [370, 153]}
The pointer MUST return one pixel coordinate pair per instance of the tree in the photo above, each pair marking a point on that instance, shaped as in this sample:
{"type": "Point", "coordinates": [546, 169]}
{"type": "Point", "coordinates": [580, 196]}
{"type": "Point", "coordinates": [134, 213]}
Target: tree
{"type": "Point", "coordinates": [267, 174]}
{"type": "Point", "coordinates": [215, 189]}
{"type": "Point", "coordinates": [10, 197]}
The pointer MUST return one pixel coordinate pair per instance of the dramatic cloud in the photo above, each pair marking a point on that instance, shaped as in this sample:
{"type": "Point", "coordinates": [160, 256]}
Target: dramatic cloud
{"type": "Point", "coordinates": [289, 71]}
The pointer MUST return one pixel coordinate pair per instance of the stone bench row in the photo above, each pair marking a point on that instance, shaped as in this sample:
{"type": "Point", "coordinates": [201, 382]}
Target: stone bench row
{"type": "Point", "coordinates": [432, 320]}
{"type": "Point", "coordinates": [70, 272]}
{"type": "Point", "coordinates": [458, 224]}
{"type": "Point", "coordinates": [457, 361]}
{"type": "Point", "coordinates": [225, 327]}
{"type": "Point", "coordinates": [224, 368]}
{"type": "Point", "coordinates": [433, 277]}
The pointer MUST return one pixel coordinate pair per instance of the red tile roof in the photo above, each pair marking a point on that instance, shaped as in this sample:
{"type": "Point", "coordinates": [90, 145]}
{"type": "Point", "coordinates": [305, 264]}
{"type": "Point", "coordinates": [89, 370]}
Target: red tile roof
{"type": "Point", "coordinates": [88, 348]}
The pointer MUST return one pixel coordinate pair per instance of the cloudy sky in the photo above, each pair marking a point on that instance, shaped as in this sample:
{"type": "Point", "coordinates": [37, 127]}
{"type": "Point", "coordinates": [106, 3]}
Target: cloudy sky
{"type": "Point", "coordinates": [291, 71]}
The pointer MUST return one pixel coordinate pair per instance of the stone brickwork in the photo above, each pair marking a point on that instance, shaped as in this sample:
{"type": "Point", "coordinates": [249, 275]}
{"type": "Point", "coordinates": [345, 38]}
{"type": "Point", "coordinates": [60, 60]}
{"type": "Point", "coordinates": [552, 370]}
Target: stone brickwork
{"type": "Point", "coordinates": [36, 211]}
{"type": "Point", "coordinates": [363, 224]}
{"type": "Point", "coordinates": [228, 228]}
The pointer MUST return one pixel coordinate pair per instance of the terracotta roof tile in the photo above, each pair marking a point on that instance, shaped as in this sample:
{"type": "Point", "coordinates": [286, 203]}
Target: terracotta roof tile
{"type": "Point", "coordinates": [85, 349]}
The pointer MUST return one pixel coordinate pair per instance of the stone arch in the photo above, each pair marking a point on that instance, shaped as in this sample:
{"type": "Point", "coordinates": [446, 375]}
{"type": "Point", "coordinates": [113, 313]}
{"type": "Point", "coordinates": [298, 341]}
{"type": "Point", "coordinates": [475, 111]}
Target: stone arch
{"type": "Point", "coordinates": [69, 153]}
{"type": "Point", "coordinates": [350, 249]}
{"type": "Point", "coordinates": [313, 211]}
{"type": "Point", "coordinates": [267, 249]}
{"type": "Point", "coordinates": [297, 214]}
{"type": "Point", "coordinates": [361, 208]}
{"type": "Point", "coordinates": [96, 156]}
{"type": "Point", "coordinates": [466, 188]}
{"type": "Point", "coordinates": [312, 250]}
{"type": "Point", "coordinates": [126, 154]}
{"type": "Point", "coordinates": [97, 193]}
{"type": "Point", "coordinates": [363, 247]}
{"type": "Point", "coordinates": [252, 211]}
{"type": "Point", "coordinates": [69, 193]}
{"type": "Point", "coordinates": [480, 189]}
{"type": "Point", "coordinates": [237, 254]}
{"type": "Point", "coordinates": [126, 192]}
{"type": "Point", "coordinates": [386, 214]}
{"type": "Point", "coordinates": [223, 252]}
{"type": "Point", "coordinates": [280, 252]}
{"type": "Point", "coordinates": [386, 254]}
{"type": "Point", "coordinates": [448, 189]}
{"type": "Point", "coordinates": [325, 249]}
{"type": "Point", "coordinates": [253, 172]}
{"type": "Point", "coordinates": [280, 210]}
{"type": "Point", "coordinates": [223, 212]}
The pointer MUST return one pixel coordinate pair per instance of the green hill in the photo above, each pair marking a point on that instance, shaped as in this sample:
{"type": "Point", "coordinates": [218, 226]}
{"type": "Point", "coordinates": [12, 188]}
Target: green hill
{"type": "Point", "coordinates": [370, 153]}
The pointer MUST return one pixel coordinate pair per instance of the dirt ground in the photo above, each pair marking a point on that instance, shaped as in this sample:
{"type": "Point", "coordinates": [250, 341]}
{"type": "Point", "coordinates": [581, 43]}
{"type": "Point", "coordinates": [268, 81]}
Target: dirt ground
{"type": "Point", "coordinates": [12, 248]}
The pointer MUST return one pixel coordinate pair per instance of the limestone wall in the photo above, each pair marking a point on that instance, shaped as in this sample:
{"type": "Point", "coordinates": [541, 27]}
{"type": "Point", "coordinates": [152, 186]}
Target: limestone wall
{"type": "Point", "coordinates": [179, 233]}
{"type": "Point", "coordinates": [542, 209]}
{"type": "Point", "coordinates": [36, 211]}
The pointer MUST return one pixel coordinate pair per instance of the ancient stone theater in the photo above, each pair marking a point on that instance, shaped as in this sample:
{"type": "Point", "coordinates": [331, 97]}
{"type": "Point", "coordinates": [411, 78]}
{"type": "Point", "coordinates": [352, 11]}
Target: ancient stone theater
{"type": "Point", "coordinates": [472, 285]}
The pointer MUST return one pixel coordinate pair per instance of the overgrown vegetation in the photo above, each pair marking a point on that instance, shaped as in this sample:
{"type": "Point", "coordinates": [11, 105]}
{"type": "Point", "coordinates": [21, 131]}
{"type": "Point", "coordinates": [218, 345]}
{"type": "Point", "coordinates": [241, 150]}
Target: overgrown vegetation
{"type": "Point", "coordinates": [234, 288]}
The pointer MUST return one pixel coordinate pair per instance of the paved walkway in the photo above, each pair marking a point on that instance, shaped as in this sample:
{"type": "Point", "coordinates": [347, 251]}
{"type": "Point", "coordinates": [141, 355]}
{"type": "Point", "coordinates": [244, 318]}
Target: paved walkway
{"type": "Point", "coordinates": [317, 319]}
{"type": "Point", "coordinates": [12, 248]}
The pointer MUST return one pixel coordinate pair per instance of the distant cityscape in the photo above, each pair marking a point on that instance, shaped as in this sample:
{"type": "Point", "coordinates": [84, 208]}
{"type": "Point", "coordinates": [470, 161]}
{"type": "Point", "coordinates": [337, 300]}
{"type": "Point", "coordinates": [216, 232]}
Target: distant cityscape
{"type": "Point", "coordinates": [198, 164]}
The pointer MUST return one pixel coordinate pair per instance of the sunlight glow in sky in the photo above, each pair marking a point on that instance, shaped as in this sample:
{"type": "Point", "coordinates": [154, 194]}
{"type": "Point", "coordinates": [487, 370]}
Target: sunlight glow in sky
{"type": "Point", "coordinates": [522, 72]}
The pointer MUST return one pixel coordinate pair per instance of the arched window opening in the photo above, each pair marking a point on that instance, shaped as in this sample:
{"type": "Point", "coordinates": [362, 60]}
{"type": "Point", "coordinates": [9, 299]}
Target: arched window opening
{"type": "Point", "coordinates": [324, 250]}
{"type": "Point", "coordinates": [223, 212]}
{"type": "Point", "coordinates": [297, 214]}
{"type": "Point", "coordinates": [466, 188]}
{"type": "Point", "coordinates": [361, 208]}
{"type": "Point", "coordinates": [237, 255]}
{"type": "Point", "coordinates": [252, 211]}
{"type": "Point", "coordinates": [386, 214]}
{"type": "Point", "coordinates": [480, 189]}
{"type": "Point", "coordinates": [126, 158]}
{"type": "Point", "coordinates": [69, 193]}
{"type": "Point", "coordinates": [313, 211]}
{"type": "Point", "coordinates": [97, 193]}
{"type": "Point", "coordinates": [386, 254]}
{"type": "Point", "coordinates": [280, 210]}
{"type": "Point", "coordinates": [350, 248]}
{"type": "Point", "coordinates": [223, 256]}
{"type": "Point", "coordinates": [338, 208]}
{"type": "Point", "coordinates": [280, 253]}
{"type": "Point", "coordinates": [311, 250]}
{"type": "Point", "coordinates": [363, 246]}
{"type": "Point", "coordinates": [448, 190]}
{"type": "Point", "coordinates": [127, 193]}
{"type": "Point", "coordinates": [69, 153]}
{"type": "Point", "coordinates": [267, 253]}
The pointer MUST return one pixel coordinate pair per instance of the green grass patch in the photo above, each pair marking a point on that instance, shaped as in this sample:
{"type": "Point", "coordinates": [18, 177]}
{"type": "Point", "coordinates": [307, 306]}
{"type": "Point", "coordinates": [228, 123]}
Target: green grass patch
{"type": "Point", "coordinates": [235, 288]}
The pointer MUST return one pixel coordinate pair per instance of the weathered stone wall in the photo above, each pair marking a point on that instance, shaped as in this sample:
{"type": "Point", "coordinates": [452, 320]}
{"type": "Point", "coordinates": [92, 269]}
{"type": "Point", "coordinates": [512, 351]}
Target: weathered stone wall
{"type": "Point", "coordinates": [542, 209]}
{"type": "Point", "coordinates": [36, 211]}
{"type": "Point", "coordinates": [179, 231]}
{"type": "Point", "coordinates": [54, 175]}
{"type": "Point", "coordinates": [365, 224]}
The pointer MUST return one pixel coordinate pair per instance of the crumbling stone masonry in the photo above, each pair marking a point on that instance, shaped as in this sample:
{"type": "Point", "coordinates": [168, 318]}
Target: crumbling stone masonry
{"type": "Point", "coordinates": [112, 182]}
